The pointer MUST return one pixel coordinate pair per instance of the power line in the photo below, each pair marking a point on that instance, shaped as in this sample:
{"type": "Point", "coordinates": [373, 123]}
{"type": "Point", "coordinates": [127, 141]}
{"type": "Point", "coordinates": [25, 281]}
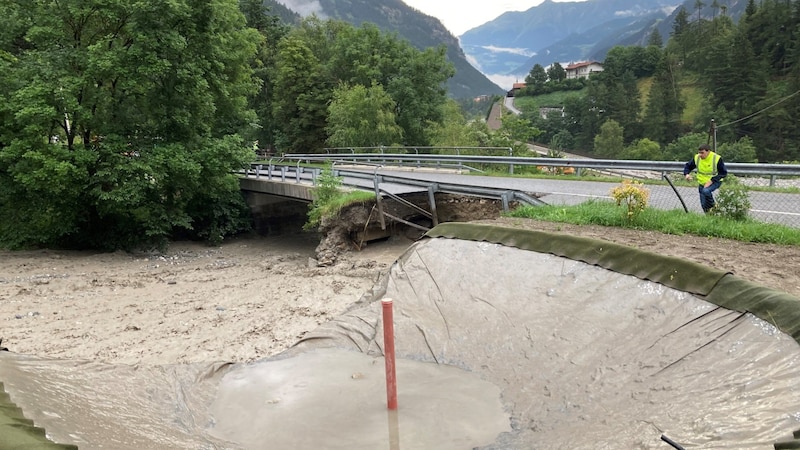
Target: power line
{"type": "Point", "coordinates": [759, 112]}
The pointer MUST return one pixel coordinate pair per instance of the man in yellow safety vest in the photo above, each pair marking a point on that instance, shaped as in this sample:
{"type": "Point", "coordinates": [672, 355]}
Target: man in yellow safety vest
{"type": "Point", "coordinates": [710, 172]}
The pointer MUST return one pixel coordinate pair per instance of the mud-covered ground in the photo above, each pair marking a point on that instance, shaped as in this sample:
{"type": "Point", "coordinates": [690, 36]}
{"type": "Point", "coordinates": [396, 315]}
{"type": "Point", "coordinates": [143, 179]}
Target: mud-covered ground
{"type": "Point", "coordinates": [254, 296]}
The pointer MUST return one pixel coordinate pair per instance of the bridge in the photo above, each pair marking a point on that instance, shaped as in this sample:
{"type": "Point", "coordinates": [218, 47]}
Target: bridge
{"type": "Point", "coordinates": [267, 187]}
{"type": "Point", "coordinates": [398, 177]}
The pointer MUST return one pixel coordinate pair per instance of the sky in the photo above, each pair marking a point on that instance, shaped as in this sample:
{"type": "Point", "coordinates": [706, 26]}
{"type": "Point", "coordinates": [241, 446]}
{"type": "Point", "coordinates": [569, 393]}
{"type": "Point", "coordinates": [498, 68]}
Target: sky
{"type": "Point", "coordinates": [462, 15]}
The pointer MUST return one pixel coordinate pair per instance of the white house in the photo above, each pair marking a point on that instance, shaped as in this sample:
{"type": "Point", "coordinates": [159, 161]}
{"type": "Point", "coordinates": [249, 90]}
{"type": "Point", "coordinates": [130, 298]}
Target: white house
{"type": "Point", "coordinates": [583, 69]}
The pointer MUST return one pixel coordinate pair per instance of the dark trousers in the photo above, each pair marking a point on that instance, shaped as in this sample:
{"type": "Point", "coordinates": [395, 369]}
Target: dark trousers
{"type": "Point", "coordinates": [707, 195]}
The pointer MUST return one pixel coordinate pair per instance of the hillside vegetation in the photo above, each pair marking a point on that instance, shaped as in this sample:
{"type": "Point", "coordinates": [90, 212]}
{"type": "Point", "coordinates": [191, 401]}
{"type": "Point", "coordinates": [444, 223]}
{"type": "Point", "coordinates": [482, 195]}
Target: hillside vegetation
{"type": "Point", "coordinates": [660, 101]}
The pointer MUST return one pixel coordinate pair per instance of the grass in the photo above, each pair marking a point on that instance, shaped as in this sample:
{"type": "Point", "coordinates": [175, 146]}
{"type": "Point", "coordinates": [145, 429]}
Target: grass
{"type": "Point", "coordinates": [670, 222]}
{"type": "Point", "coordinates": [331, 207]}
{"type": "Point", "coordinates": [689, 85]}
{"type": "Point", "coordinates": [553, 99]}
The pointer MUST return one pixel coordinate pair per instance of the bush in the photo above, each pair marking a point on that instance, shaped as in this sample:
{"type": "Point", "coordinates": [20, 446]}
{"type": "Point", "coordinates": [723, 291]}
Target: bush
{"type": "Point", "coordinates": [327, 190]}
{"type": "Point", "coordinates": [633, 195]}
{"type": "Point", "coordinates": [733, 200]}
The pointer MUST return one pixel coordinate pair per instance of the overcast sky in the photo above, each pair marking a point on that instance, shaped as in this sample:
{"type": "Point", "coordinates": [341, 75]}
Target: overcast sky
{"type": "Point", "coordinates": [462, 15]}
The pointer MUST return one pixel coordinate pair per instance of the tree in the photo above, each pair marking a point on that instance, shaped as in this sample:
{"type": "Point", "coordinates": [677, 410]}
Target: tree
{"type": "Point", "coordinates": [272, 31]}
{"type": "Point", "coordinates": [300, 97]}
{"type": "Point", "coordinates": [453, 131]}
{"type": "Point", "coordinates": [609, 143]}
{"type": "Point", "coordinates": [519, 129]}
{"type": "Point", "coordinates": [662, 118]}
{"type": "Point", "coordinates": [562, 141]}
{"type": "Point", "coordinates": [642, 149]}
{"type": "Point", "coordinates": [698, 5]}
{"type": "Point", "coordinates": [750, 9]}
{"type": "Point", "coordinates": [536, 79]}
{"type": "Point", "coordinates": [655, 39]}
{"type": "Point", "coordinates": [741, 151]}
{"type": "Point", "coordinates": [123, 121]}
{"type": "Point", "coordinates": [324, 54]}
{"type": "Point", "coordinates": [362, 117]}
{"type": "Point", "coordinates": [714, 6]}
{"type": "Point", "coordinates": [556, 73]}
{"type": "Point", "coordinates": [680, 31]}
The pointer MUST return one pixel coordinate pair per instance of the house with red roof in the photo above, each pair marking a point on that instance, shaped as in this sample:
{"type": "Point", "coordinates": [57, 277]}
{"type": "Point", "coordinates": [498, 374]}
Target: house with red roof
{"type": "Point", "coordinates": [583, 69]}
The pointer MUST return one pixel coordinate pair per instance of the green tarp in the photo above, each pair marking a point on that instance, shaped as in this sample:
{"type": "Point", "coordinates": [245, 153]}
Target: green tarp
{"type": "Point", "coordinates": [19, 433]}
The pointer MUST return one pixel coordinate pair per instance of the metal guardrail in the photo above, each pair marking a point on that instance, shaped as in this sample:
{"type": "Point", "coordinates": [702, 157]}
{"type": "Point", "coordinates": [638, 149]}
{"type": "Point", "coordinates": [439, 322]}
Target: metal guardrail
{"type": "Point", "coordinates": [771, 170]}
{"type": "Point", "coordinates": [779, 207]}
{"type": "Point", "coordinates": [373, 180]}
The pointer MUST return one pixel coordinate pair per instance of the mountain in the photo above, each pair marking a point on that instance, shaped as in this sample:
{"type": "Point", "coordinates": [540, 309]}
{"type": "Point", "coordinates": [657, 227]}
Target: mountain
{"type": "Point", "coordinates": [421, 30]}
{"type": "Point", "coordinates": [557, 32]}
{"type": "Point", "coordinates": [568, 32]}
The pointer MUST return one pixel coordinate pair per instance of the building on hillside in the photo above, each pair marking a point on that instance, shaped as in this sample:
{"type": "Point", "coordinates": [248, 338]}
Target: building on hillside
{"type": "Point", "coordinates": [545, 110]}
{"type": "Point", "coordinates": [583, 69]}
{"type": "Point", "coordinates": [516, 87]}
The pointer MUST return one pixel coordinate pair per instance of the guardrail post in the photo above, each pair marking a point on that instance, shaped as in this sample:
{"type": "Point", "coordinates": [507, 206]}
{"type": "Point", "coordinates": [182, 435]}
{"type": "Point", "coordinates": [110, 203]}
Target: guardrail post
{"type": "Point", "coordinates": [504, 198]}
{"type": "Point", "coordinates": [432, 201]}
{"type": "Point", "coordinates": [376, 182]}
{"type": "Point", "coordinates": [283, 173]}
{"type": "Point", "coordinates": [258, 171]}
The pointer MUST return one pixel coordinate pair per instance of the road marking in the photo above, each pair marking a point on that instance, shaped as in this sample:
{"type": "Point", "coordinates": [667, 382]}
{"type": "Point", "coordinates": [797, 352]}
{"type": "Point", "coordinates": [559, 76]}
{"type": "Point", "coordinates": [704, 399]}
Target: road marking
{"type": "Point", "coordinates": [580, 195]}
{"type": "Point", "coordinates": [775, 212]}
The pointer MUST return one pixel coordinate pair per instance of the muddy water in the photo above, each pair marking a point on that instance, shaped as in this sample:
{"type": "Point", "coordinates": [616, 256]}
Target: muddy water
{"type": "Point", "coordinates": [336, 399]}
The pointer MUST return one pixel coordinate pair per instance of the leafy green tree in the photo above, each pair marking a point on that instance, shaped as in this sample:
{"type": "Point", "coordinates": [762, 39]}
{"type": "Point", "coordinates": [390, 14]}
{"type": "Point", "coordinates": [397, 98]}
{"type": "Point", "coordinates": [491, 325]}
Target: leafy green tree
{"type": "Point", "coordinates": [453, 130]}
{"type": "Point", "coordinates": [362, 117]}
{"type": "Point", "coordinates": [418, 88]}
{"type": "Point", "coordinates": [556, 73]}
{"type": "Point", "coordinates": [536, 79]}
{"type": "Point", "coordinates": [123, 122]}
{"type": "Point", "coordinates": [685, 147]}
{"type": "Point", "coordinates": [272, 31]}
{"type": "Point", "coordinates": [319, 55]}
{"type": "Point", "coordinates": [563, 140]}
{"type": "Point", "coordinates": [609, 142]}
{"type": "Point", "coordinates": [300, 98]}
{"type": "Point", "coordinates": [519, 129]}
{"type": "Point", "coordinates": [741, 151]}
{"type": "Point", "coordinates": [642, 149]}
{"type": "Point", "coordinates": [582, 117]}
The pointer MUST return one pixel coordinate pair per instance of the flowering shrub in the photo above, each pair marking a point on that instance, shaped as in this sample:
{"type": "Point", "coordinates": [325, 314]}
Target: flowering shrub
{"type": "Point", "coordinates": [633, 195]}
{"type": "Point", "coordinates": [733, 200]}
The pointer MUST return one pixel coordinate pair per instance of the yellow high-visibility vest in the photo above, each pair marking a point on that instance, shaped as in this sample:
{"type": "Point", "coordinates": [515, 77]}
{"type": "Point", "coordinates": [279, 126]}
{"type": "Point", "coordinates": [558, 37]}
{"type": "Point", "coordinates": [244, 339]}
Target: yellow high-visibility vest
{"type": "Point", "coordinates": [706, 168]}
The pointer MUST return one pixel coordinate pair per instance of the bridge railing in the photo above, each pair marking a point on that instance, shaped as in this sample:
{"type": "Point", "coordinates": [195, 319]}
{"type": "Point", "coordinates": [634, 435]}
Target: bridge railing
{"type": "Point", "coordinates": [782, 207]}
{"type": "Point", "coordinates": [371, 179]}
{"type": "Point", "coordinates": [771, 171]}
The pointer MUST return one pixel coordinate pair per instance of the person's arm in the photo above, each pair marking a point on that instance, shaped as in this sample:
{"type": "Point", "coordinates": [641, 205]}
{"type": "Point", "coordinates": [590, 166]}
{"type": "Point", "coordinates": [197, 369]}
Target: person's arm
{"type": "Point", "coordinates": [722, 171]}
{"type": "Point", "coordinates": [688, 168]}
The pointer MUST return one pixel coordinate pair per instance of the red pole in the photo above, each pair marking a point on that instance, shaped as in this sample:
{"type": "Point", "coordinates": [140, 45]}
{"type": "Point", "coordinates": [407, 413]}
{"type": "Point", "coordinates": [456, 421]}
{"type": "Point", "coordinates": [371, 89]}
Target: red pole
{"type": "Point", "coordinates": [388, 350]}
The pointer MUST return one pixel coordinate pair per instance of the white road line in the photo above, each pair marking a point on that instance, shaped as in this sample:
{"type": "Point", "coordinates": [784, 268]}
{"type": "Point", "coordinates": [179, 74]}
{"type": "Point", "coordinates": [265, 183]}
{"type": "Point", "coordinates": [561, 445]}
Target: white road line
{"type": "Point", "coordinates": [775, 212]}
{"type": "Point", "coordinates": [579, 195]}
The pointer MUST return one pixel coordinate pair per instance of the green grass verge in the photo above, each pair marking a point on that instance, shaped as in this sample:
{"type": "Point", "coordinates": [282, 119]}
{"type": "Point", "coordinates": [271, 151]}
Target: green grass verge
{"type": "Point", "coordinates": [670, 222]}
{"type": "Point", "coordinates": [330, 208]}
{"type": "Point", "coordinates": [553, 99]}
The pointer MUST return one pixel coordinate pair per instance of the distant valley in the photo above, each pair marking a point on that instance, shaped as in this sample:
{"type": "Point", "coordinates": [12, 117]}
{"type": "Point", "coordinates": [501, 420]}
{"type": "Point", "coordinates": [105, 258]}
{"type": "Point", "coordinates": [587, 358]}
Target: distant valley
{"type": "Point", "coordinates": [505, 49]}
{"type": "Point", "coordinates": [489, 58]}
